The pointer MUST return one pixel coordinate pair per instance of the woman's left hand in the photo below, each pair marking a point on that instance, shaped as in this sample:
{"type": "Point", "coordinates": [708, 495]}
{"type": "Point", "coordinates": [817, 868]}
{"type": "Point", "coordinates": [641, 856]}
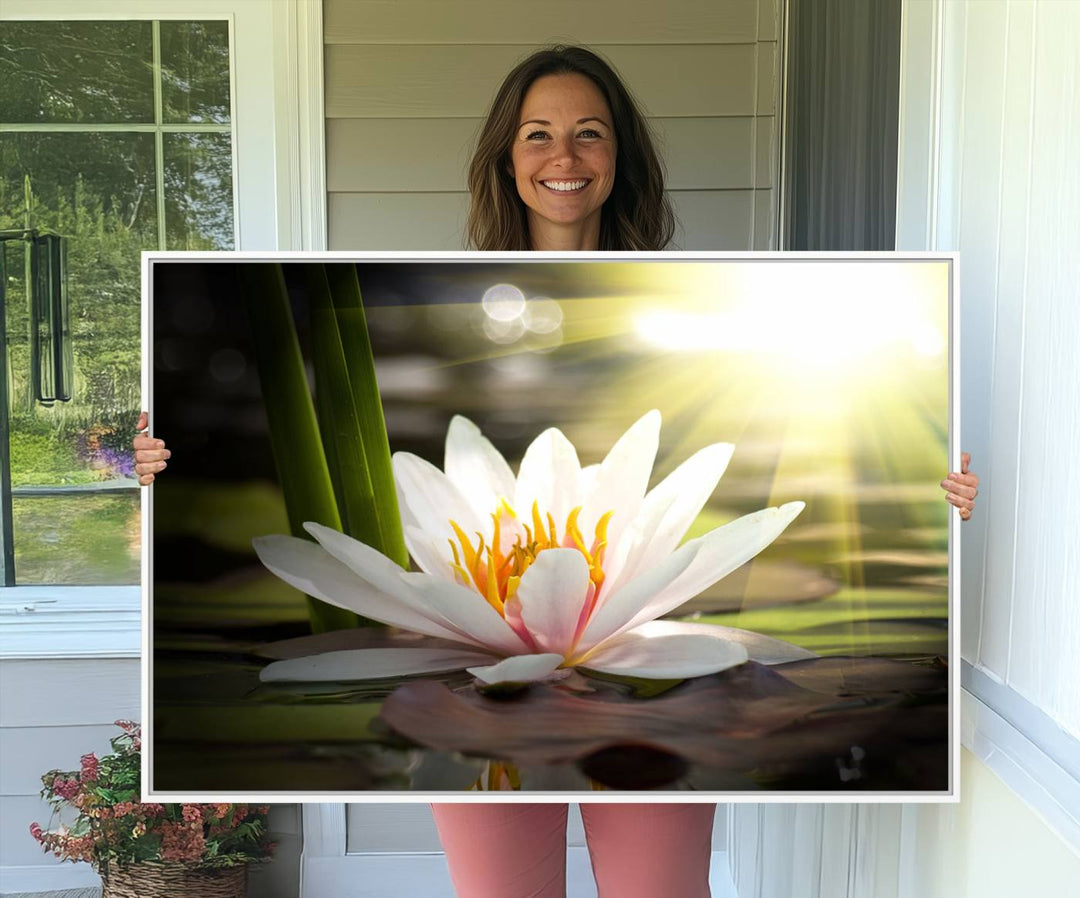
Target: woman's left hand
{"type": "Point", "coordinates": [962, 488]}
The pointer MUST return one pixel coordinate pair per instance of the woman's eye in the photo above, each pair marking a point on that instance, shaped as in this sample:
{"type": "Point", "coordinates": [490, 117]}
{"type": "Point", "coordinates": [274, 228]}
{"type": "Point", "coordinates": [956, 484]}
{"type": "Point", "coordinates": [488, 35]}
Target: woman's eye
{"type": "Point", "coordinates": [589, 132]}
{"type": "Point", "coordinates": [536, 135]}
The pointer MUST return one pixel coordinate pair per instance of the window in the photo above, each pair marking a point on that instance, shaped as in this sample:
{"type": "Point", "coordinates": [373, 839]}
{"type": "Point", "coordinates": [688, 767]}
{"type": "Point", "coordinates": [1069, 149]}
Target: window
{"type": "Point", "coordinates": [116, 135]}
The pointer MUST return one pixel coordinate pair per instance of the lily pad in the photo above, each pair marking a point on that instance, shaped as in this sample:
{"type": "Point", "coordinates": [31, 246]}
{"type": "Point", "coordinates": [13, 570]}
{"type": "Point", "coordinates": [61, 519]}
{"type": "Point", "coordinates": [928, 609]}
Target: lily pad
{"type": "Point", "coordinates": [742, 720]}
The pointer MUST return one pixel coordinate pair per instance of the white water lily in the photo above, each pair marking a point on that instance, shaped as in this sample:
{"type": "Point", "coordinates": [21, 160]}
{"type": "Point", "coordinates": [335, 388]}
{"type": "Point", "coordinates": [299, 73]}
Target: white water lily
{"type": "Point", "coordinates": [531, 576]}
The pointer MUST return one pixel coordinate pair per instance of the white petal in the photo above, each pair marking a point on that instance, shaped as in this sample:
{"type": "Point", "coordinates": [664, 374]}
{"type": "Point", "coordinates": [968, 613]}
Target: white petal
{"type": "Point", "coordinates": [311, 569]}
{"type": "Point", "coordinates": [460, 609]}
{"type": "Point", "coordinates": [431, 554]}
{"type": "Point", "coordinates": [429, 500]}
{"type": "Point", "coordinates": [552, 593]}
{"type": "Point", "coordinates": [623, 605]}
{"type": "Point", "coordinates": [719, 552]}
{"type": "Point", "coordinates": [622, 479]}
{"type": "Point", "coordinates": [588, 478]}
{"type": "Point", "coordinates": [668, 511]}
{"type": "Point", "coordinates": [476, 467]}
{"type": "Point", "coordinates": [518, 669]}
{"type": "Point", "coordinates": [663, 657]}
{"type": "Point", "coordinates": [370, 664]}
{"type": "Point", "coordinates": [760, 648]}
{"type": "Point", "coordinates": [548, 476]}
{"type": "Point", "coordinates": [468, 611]}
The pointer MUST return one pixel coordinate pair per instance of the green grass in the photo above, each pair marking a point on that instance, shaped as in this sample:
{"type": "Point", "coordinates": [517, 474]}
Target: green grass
{"type": "Point", "coordinates": [83, 539]}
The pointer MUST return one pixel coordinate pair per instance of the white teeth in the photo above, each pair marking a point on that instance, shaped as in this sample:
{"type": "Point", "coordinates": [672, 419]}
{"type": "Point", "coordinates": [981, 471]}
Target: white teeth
{"type": "Point", "coordinates": [564, 185]}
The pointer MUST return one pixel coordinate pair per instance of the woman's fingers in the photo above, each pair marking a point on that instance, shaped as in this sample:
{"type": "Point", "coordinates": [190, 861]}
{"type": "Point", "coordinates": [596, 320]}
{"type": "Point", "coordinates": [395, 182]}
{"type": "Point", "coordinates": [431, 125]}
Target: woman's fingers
{"type": "Point", "coordinates": [150, 453]}
{"type": "Point", "coordinates": [961, 485]}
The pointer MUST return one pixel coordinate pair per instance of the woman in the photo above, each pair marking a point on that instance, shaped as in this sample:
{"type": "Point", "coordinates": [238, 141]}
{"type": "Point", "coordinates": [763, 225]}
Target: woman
{"type": "Point", "coordinates": [565, 162]}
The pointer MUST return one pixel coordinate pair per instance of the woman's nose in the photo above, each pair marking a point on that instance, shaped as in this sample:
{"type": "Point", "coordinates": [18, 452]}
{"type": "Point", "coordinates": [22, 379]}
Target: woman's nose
{"type": "Point", "coordinates": [564, 150]}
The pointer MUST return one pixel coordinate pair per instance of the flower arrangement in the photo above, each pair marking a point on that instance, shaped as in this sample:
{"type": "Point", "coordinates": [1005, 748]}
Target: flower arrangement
{"type": "Point", "coordinates": [114, 828]}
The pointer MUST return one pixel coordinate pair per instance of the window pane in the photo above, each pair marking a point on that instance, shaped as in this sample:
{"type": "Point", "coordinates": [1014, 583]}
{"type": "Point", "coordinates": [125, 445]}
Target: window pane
{"type": "Point", "coordinates": [76, 72]}
{"type": "Point", "coordinates": [195, 71]}
{"type": "Point", "coordinates": [77, 540]}
{"type": "Point", "coordinates": [98, 190]}
{"type": "Point", "coordinates": [198, 192]}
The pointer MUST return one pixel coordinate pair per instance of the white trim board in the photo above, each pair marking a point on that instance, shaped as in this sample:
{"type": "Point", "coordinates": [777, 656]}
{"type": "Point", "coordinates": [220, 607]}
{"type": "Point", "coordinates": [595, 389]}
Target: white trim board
{"type": "Point", "coordinates": [1047, 786]}
{"type": "Point", "coordinates": [69, 622]}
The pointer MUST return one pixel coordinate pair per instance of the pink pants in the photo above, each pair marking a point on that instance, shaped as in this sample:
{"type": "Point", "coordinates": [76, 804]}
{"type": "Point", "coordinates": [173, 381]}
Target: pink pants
{"type": "Point", "coordinates": [519, 850]}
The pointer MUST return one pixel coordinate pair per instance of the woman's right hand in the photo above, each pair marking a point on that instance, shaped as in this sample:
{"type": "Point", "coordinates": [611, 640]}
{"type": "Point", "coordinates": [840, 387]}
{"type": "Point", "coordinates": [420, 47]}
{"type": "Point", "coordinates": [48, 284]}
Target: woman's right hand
{"type": "Point", "coordinates": [150, 454]}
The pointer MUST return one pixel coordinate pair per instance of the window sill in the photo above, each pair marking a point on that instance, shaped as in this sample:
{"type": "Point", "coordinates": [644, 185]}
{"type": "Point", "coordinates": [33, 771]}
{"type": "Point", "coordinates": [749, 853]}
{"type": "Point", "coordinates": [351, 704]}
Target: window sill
{"type": "Point", "coordinates": [70, 622]}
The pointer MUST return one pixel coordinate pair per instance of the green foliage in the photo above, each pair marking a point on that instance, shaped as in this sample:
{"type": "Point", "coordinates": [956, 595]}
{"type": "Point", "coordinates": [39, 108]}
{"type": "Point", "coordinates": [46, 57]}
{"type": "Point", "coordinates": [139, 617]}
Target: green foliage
{"type": "Point", "coordinates": [113, 827]}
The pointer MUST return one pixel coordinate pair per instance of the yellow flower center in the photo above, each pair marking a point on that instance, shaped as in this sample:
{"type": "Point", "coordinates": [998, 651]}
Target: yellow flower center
{"type": "Point", "coordinates": [496, 575]}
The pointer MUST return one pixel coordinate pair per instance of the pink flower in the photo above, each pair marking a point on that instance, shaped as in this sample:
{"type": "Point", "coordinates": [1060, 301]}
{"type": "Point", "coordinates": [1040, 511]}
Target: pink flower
{"type": "Point", "coordinates": [65, 788]}
{"type": "Point", "coordinates": [181, 842]}
{"type": "Point", "coordinates": [89, 767]}
{"type": "Point", "coordinates": [36, 831]}
{"type": "Point", "coordinates": [192, 813]}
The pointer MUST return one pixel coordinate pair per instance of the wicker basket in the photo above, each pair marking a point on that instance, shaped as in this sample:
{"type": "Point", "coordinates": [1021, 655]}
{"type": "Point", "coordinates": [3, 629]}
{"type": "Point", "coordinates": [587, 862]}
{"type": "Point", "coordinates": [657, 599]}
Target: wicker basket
{"type": "Point", "coordinates": [174, 881]}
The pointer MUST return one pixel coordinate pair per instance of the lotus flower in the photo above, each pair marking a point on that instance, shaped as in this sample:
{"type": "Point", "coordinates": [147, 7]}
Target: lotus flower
{"type": "Point", "coordinates": [525, 578]}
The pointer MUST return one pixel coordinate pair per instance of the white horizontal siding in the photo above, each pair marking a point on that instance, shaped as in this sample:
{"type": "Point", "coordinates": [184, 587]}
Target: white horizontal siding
{"type": "Point", "coordinates": [62, 693]}
{"type": "Point", "coordinates": [707, 219]}
{"type": "Point", "coordinates": [395, 155]}
{"type": "Point", "coordinates": [440, 81]}
{"type": "Point", "coordinates": [52, 713]}
{"type": "Point", "coordinates": [527, 22]}
{"type": "Point", "coordinates": [28, 752]}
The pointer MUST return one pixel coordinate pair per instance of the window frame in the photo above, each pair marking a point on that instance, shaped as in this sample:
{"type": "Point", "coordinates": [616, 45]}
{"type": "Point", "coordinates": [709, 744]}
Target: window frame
{"type": "Point", "coordinates": [276, 92]}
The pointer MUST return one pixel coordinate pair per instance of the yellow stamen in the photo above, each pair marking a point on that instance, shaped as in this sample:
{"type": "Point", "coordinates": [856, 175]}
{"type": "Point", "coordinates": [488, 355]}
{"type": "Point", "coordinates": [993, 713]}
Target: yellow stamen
{"type": "Point", "coordinates": [493, 596]}
{"type": "Point", "coordinates": [511, 587]}
{"type": "Point", "coordinates": [538, 524]}
{"type": "Point", "coordinates": [496, 575]}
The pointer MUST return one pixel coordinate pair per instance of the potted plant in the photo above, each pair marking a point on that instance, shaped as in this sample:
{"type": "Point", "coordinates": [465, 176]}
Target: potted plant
{"type": "Point", "coordinates": [141, 850]}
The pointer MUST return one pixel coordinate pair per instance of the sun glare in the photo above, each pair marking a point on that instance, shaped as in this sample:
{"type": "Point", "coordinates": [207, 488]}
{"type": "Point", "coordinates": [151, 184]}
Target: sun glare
{"type": "Point", "coordinates": [813, 314]}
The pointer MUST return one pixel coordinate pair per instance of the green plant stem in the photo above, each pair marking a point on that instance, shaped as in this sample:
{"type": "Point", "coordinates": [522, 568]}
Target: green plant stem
{"type": "Point", "coordinates": [360, 364]}
{"type": "Point", "coordinates": [294, 432]}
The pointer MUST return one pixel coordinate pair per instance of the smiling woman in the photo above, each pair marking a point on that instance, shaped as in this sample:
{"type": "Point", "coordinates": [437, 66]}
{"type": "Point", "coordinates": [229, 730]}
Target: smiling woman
{"type": "Point", "coordinates": [565, 161]}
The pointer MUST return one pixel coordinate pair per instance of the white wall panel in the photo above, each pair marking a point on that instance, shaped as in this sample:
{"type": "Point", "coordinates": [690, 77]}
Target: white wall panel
{"type": "Point", "coordinates": [1046, 615]}
{"type": "Point", "coordinates": [980, 174]}
{"type": "Point", "coordinates": [1007, 188]}
{"type": "Point", "coordinates": [999, 587]}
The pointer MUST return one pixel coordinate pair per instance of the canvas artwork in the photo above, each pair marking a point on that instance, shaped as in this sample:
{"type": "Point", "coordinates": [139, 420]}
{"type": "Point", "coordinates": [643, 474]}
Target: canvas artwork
{"type": "Point", "coordinates": [461, 525]}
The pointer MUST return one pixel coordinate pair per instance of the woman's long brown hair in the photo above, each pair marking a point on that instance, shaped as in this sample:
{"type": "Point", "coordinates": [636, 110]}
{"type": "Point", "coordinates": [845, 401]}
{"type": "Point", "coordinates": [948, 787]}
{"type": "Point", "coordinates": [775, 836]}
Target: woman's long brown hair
{"type": "Point", "coordinates": [637, 214]}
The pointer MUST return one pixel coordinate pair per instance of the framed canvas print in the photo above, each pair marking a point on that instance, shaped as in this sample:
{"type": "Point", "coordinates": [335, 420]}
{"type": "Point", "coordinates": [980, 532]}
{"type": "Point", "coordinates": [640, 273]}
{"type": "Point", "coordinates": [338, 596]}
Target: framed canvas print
{"type": "Point", "coordinates": [476, 527]}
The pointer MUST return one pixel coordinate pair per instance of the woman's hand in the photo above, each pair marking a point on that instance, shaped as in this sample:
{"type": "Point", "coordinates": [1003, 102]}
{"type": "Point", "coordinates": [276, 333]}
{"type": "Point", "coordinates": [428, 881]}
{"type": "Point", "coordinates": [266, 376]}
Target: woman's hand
{"type": "Point", "coordinates": [960, 489]}
{"type": "Point", "coordinates": [150, 454]}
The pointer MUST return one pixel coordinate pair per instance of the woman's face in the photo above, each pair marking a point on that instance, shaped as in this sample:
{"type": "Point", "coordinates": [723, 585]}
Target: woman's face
{"type": "Point", "coordinates": [563, 155]}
